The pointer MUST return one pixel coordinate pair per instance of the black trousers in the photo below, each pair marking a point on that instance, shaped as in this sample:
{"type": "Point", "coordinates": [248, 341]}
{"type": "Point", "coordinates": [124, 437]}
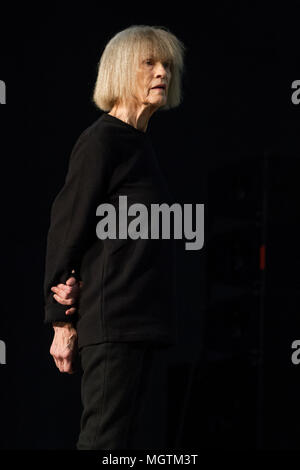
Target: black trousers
{"type": "Point", "coordinates": [117, 384]}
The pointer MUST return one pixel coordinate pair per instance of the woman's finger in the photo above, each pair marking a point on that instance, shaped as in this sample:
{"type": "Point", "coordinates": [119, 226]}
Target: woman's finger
{"type": "Point", "coordinates": [68, 367]}
{"type": "Point", "coordinates": [70, 311]}
{"type": "Point", "coordinates": [63, 301]}
{"type": "Point", "coordinates": [72, 281]}
{"type": "Point", "coordinates": [63, 295]}
{"type": "Point", "coordinates": [63, 288]}
{"type": "Point", "coordinates": [56, 362]}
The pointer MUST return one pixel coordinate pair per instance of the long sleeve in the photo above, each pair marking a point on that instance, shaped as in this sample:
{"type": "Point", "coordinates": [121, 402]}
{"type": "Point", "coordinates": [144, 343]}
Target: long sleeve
{"type": "Point", "coordinates": [73, 215]}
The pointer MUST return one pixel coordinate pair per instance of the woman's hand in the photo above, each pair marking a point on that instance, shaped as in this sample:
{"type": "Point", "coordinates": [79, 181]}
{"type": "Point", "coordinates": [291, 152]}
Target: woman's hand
{"type": "Point", "coordinates": [68, 294]}
{"type": "Point", "coordinates": [64, 346]}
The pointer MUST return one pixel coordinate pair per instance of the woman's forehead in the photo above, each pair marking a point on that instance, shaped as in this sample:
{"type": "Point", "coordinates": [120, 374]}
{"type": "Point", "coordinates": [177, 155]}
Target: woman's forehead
{"type": "Point", "coordinates": [154, 50]}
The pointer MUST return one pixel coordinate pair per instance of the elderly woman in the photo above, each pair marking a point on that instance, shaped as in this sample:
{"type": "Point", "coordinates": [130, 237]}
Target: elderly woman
{"type": "Point", "coordinates": [127, 305]}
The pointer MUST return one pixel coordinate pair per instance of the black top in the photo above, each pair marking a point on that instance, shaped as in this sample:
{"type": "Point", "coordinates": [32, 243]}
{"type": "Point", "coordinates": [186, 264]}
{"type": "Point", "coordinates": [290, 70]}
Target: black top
{"type": "Point", "coordinates": [129, 286]}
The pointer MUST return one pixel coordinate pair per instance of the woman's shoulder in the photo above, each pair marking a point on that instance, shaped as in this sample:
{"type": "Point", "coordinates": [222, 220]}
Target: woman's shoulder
{"type": "Point", "coordinates": [94, 142]}
{"type": "Point", "coordinates": [98, 131]}
{"type": "Point", "coordinates": [108, 135]}
{"type": "Point", "coordinates": [108, 126]}
{"type": "Point", "coordinates": [97, 138]}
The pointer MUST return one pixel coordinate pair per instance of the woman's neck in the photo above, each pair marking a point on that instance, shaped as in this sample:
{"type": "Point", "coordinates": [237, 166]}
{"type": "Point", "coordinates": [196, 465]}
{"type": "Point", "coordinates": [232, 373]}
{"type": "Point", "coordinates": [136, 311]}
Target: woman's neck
{"type": "Point", "coordinates": [137, 118]}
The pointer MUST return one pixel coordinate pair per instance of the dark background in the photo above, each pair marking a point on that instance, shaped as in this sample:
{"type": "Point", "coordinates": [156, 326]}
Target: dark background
{"type": "Point", "coordinates": [233, 145]}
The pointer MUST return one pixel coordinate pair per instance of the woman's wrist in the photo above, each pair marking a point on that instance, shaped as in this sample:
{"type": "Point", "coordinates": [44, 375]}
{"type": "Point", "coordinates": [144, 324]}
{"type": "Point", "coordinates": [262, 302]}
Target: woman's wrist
{"type": "Point", "coordinates": [62, 324]}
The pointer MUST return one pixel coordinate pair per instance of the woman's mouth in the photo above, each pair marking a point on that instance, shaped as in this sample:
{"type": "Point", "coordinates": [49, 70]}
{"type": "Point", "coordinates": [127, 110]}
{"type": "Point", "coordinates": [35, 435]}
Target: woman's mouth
{"type": "Point", "coordinates": [159, 87]}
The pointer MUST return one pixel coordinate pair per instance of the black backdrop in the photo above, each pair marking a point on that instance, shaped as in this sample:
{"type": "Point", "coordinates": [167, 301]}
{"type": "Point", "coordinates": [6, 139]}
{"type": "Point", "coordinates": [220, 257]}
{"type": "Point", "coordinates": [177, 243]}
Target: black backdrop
{"type": "Point", "coordinates": [233, 145]}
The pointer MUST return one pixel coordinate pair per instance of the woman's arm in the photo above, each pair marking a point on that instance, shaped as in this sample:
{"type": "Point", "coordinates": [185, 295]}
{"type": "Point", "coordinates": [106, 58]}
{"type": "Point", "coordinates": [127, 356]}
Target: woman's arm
{"type": "Point", "coordinates": [73, 216]}
{"type": "Point", "coordinates": [72, 227]}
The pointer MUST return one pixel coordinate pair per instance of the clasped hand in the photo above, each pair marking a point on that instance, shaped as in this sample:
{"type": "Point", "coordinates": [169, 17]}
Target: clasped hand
{"type": "Point", "coordinates": [64, 346]}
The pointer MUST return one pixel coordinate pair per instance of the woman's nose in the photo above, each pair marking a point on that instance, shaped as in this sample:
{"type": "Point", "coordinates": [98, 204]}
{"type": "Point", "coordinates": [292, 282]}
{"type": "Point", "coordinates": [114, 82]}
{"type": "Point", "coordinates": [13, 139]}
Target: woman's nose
{"type": "Point", "coordinates": [160, 70]}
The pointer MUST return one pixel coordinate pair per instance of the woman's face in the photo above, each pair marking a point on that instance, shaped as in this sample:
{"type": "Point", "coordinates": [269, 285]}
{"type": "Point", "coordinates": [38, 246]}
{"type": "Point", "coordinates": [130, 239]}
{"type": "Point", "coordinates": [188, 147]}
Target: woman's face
{"type": "Point", "coordinates": [153, 79]}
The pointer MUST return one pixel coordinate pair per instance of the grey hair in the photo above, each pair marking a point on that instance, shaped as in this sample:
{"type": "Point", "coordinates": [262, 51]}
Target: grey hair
{"type": "Point", "coordinates": [120, 58]}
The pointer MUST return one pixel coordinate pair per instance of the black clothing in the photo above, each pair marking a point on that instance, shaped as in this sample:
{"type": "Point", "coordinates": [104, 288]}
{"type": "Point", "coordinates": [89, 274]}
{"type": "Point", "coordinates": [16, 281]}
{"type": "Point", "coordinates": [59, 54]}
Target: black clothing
{"type": "Point", "coordinates": [129, 286]}
{"type": "Point", "coordinates": [118, 386]}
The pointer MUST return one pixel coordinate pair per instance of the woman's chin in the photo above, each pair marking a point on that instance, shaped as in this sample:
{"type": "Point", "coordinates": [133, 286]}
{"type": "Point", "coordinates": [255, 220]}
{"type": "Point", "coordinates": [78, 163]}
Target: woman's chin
{"type": "Point", "coordinates": [159, 103]}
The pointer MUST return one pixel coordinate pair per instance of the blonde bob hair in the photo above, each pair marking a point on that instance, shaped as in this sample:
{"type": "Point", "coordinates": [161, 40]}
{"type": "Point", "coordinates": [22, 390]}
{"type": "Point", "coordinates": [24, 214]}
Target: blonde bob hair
{"type": "Point", "coordinates": [120, 60]}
